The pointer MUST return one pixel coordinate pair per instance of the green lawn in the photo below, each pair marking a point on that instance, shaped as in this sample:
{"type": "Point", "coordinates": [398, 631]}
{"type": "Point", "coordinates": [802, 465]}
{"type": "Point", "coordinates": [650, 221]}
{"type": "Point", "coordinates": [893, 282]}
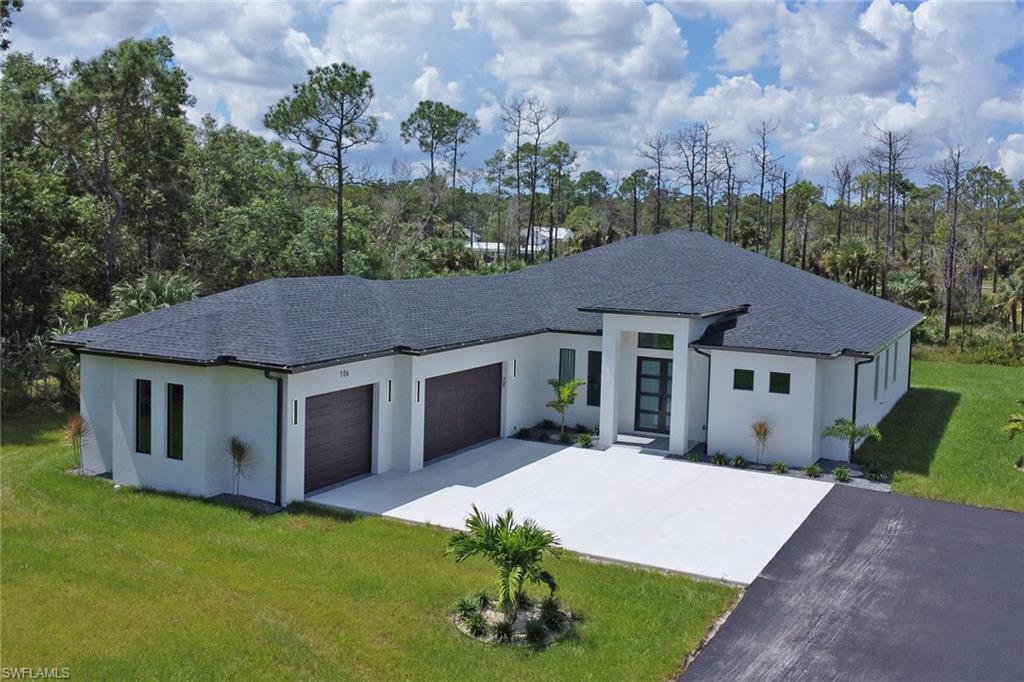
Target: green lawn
{"type": "Point", "coordinates": [133, 585]}
{"type": "Point", "coordinates": [943, 439]}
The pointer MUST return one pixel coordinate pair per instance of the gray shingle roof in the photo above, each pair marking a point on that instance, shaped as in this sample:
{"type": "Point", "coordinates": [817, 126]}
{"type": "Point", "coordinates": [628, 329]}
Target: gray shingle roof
{"type": "Point", "coordinates": [302, 322]}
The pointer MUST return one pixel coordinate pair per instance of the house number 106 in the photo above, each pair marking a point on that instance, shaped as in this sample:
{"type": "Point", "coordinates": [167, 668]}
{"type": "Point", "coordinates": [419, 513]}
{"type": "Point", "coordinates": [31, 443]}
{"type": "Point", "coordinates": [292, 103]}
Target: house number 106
{"type": "Point", "coordinates": [343, 373]}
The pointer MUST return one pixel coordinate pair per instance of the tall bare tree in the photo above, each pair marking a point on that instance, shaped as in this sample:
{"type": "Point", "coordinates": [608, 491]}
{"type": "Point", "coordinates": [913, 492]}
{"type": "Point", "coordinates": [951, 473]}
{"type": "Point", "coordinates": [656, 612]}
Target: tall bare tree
{"type": "Point", "coordinates": [727, 154]}
{"type": "Point", "coordinates": [949, 174]}
{"type": "Point", "coordinates": [539, 119]}
{"type": "Point", "coordinates": [513, 121]}
{"type": "Point", "coordinates": [762, 159]}
{"type": "Point", "coordinates": [657, 149]}
{"type": "Point", "coordinates": [893, 149]}
{"type": "Point", "coordinates": [689, 144]}
{"type": "Point", "coordinates": [842, 172]}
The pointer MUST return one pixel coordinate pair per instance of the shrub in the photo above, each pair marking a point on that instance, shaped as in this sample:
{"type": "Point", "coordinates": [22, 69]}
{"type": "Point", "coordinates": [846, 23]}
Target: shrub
{"type": "Point", "coordinates": [780, 467]}
{"type": "Point", "coordinates": [465, 607]}
{"type": "Point", "coordinates": [874, 473]}
{"type": "Point", "coordinates": [565, 437]}
{"type": "Point", "coordinates": [551, 614]}
{"type": "Point", "coordinates": [841, 474]}
{"type": "Point", "coordinates": [693, 456]}
{"type": "Point", "coordinates": [476, 624]}
{"type": "Point", "coordinates": [738, 462]}
{"type": "Point", "coordinates": [761, 433]}
{"type": "Point", "coordinates": [524, 601]}
{"type": "Point", "coordinates": [582, 428]}
{"type": "Point", "coordinates": [565, 395]}
{"type": "Point", "coordinates": [585, 439]}
{"type": "Point", "coordinates": [483, 600]}
{"type": "Point", "coordinates": [812, 471]}
{"type": "Point", "coordinates": [503, 631]}
{"type": "Point", "coordinates": [523, 434]}
{"type": "Point", "coordinates": [1020, 462]}
{"type": "Point", "coordinates": [536, 631]}
{"type": "Point", "coordinates": [719, 459]}
{"type": "Point", "coordinates": [547, 424]}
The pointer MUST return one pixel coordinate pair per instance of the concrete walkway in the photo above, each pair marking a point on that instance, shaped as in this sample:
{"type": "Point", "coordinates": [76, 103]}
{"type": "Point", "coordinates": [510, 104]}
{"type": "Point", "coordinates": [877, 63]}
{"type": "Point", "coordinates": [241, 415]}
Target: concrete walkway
{"type": "Point", "coordinates": [619, 504]}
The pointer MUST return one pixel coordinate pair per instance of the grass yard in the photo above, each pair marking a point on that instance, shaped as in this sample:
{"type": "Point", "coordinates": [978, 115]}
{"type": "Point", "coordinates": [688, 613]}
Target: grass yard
{"type": "Point", "coordinates": [133, 585]}
{"type": "Point", "coordinates": [943, 439]}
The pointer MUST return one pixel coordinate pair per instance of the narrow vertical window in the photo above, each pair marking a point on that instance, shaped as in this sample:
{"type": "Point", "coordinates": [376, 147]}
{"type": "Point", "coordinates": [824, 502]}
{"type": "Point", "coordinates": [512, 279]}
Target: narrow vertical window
{"type": "Point", "coordinates": [389, 390]}
{"type": "Point", "coordinates": [886, 382]}
{"type": "Point", "coordinates": [515, 367]}
{"type": "Point", "coordinates": [295, 412]}
{"type": "Point", "coordinates": [875, 363]}
{"type": "Point", "coordinates": [895, 359]}
{"type": "Point", "coordinates": [566, 365]}
{"type": "Point", "coordinates": [417, 390]}
{"type": "Point", "coordinates": [143, 416]}
{"type": "Point", "coordinates": [175, 421]}
{"type": "Point", "coordinates": [594, 378]}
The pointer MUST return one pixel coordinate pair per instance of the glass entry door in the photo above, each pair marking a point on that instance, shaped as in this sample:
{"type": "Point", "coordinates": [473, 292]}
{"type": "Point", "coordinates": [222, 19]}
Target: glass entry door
{"type": "Point", "coordinates": [653, 394]}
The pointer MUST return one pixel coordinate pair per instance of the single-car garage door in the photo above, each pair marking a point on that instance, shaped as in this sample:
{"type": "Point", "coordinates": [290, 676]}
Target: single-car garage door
{"type": "Point", "coordinates": [462, 409]}
{"type": "Point", "coordinates": [339, 436]}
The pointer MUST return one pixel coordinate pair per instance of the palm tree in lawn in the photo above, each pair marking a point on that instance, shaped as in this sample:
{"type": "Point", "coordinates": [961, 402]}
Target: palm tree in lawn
{"type": "Point", "coordinates": [516, 550]}
{"type": "Point", "coordinates": [847, 429]}
{"type": "Point", "coordinates": [149, 292]}
{"type": "Point", "coordinates": [1015, 424]}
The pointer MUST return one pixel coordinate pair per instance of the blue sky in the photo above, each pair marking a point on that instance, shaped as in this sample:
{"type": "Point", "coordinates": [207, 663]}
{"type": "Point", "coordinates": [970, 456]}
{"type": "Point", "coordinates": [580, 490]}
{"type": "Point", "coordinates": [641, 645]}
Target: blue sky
{"type": "Point", "coordinates": [950, 72]}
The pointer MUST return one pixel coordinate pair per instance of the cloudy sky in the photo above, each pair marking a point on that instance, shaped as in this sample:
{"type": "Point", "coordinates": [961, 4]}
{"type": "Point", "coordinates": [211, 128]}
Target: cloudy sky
{"type": "Point", "coordinates": [949, 71]}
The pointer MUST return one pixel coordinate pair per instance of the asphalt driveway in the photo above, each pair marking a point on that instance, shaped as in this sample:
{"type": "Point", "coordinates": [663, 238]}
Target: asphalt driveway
{"type": "Point", "coordinates": [620, 504]}
{"type": "Point", "coordinates": [882, 587]}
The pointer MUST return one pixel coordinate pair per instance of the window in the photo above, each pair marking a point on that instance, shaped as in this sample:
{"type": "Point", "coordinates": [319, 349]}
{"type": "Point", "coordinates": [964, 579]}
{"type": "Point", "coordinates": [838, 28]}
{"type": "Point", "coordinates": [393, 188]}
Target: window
{"type": "Point", "coordinates": [295, 412]}
{"type": "Point", "coordinates": [594, 378]}
{"type": "Point", "coordinates": [175, 421]}
{"type": "Point", "coordinates": [876, 378]}
{"type": "Point", "coordinates": [143, 416]}
{"type": "Point", "coordinates": [895, 359]}
{"type": "Point", "coordinates": [743, 379]}
{"type": "Point", "coordinates": [778, 382]}
{"type": "Point", "coordinates": [566, 365]}
{"type": "Point", "coordinates": [659, 341]}
{"type": "Point", "coordinates": [886, 368]}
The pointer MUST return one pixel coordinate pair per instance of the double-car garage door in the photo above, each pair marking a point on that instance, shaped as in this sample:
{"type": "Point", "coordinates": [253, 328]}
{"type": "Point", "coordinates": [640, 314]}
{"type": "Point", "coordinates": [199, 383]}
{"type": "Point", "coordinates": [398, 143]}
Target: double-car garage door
{"type": "Point", "coordinates": [460, 409]}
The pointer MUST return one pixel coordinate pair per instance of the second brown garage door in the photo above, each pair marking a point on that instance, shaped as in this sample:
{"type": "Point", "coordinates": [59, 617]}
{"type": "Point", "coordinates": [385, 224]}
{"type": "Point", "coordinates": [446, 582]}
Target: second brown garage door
{"type": "Point", "coordinates": [462, 409]}
{"type": "Point", "coordinates": [339, 436]}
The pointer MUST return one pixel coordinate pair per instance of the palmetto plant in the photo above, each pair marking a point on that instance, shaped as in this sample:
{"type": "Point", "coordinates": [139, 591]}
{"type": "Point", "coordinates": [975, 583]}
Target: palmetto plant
{"type": "Point", "coordinates": [846, 429]}
{"type": "Point", "coordinates": [240, 454]}
{"type": "Point", "coordinates": [565, 395]}
{"type": "Point", "coordinates": [515, 549]}
{"type": "Point", "coordinates": [1015, 424]}
{"type": "Point", "coordinates": [76, 428]}
{"type": "Point", "coordinates": [761, 433]}
{"type": "Point", "coordinates": [150, 292]}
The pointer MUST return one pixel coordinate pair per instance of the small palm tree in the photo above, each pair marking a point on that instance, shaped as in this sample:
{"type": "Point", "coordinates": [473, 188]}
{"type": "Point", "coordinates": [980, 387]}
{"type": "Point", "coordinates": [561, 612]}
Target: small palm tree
{"type": "Point", "coordinates": [150, 292]}
{"type": "Point", "coordinates": [515, 549]}
{"type": "Point", "coordinates": [761, 433]}
{"type": "Point", "coordinates": [76, 428]}
{"type": "Point", "coordinates": [846, 429]}
{"type": "Point", "coordinates": [240, 454]}
{"type": "Point", "coordinates": [1015, 424]}
{"type": "Point", "coordinates": [565, 395]}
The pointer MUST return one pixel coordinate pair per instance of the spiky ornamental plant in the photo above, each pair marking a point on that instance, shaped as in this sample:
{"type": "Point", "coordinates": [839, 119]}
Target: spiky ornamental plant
{"type": "Point", "coordinates": [761, 433]}
{"type": "Point", "coordinates": [517, 551]}
{"type": "Point", "coordinates": [1015, 424]}
{"type": "Point", "coordinates": [76, 428]}
{"type": "Point", "coordinates": [846, 429]}
{"type": "Point", "coordinates": [240, 454]}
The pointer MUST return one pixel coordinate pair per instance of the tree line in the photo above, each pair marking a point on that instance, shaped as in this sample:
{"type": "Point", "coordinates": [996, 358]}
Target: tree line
{"type": "Point", "coordinates": [113, 201]}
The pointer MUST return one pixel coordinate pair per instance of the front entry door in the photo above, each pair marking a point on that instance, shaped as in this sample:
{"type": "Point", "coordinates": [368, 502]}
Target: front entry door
{"type": "Point", "coordinates": [653, 394]}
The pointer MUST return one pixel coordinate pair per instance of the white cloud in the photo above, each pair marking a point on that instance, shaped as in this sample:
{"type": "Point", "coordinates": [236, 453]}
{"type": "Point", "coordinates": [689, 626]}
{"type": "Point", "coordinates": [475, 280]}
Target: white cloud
{"type": "Point", "coordinates": [430, 85]}
{"type": "Point", "coordinates": [1011, 155]}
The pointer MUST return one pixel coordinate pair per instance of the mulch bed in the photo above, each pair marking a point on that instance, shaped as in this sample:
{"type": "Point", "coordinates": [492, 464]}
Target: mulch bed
{"type": "Point", "coordinates": [249, 504]}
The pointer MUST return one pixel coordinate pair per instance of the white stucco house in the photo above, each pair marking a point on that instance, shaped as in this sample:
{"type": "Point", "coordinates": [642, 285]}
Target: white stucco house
{"type": "Point", "coordinates": [330, 378]}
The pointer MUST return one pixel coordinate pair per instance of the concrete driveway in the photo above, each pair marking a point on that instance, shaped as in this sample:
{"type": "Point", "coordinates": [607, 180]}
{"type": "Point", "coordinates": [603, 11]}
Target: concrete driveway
{"type": "Point", "coordinates": [882, 587]}
{"type": "Point", "coordinates": [619, 504]}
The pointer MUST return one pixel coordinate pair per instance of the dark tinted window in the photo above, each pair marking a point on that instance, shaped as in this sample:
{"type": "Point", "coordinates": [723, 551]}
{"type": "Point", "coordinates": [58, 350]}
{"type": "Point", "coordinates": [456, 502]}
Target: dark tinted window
{"type": "Point", "coordinates": [594, 378]}
{"type": "Point", "coordinates": [661, 341]}
{"type": "Point", "coordinates": [778, 382]}
{"type": "Point", "coordinates": [175, 420]}
{"type": "Point", "coordinates": [143, 416]}
{"type": "Point", "coordinates": [743, 379]}
{"type": "Point", "coordinates": [566, 365]}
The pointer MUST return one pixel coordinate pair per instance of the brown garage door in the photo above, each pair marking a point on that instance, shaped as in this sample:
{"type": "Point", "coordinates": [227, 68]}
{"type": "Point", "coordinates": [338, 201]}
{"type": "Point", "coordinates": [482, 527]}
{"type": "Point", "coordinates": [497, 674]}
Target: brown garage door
{"type": "Point", "coordinates": [339, 435]}
{"type": "Point", "coordinates": [461, 409]}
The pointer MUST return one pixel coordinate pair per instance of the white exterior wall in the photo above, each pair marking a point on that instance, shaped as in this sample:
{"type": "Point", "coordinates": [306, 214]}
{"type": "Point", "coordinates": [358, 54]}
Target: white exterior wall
{"type": "Point", "coordinates": [791, 416]}
{"type": "Point", "coordinates": [891, 389]}
{"type": "Point", "coordinates": [547, 349]}
{"type": "Point", "coordinates": [218, 402]}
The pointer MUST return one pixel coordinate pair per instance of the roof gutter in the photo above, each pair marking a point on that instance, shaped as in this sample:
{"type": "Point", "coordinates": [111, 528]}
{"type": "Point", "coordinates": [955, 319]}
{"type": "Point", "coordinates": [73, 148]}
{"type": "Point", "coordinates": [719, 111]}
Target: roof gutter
{"type": "Point", "coordinates": [278, 453]}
